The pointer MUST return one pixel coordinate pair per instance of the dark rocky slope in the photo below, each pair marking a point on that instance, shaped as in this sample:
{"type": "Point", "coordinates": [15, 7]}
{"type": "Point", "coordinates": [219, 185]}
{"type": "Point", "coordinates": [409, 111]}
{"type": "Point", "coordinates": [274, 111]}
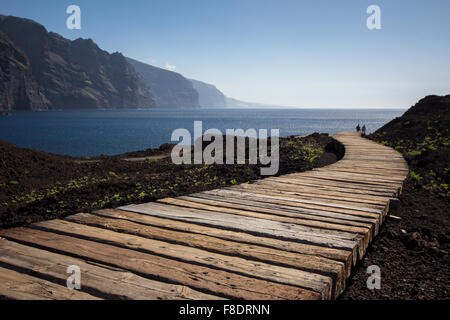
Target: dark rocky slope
{"type": "Point", "coordinates": [170, 89]}
{"type": "Point", "coordinates": [422, 135]}
{"type": "Point", "coordinates": [73, 74]}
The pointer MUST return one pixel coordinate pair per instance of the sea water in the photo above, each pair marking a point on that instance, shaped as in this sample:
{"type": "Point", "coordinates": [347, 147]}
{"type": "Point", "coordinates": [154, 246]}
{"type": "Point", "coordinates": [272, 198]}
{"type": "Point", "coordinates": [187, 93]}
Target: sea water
{"type": "Point", "coordinates": [84, 133]}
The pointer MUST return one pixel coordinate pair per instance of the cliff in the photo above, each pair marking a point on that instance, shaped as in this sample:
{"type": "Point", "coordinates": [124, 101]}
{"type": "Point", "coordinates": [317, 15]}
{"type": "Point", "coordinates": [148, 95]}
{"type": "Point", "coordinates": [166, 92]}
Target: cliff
{"type": "Point", "coordinates": [18, 89]}
{"type": "Point", "coordinates": [209, 95]}
{"type": "Point", "coordinates": [68, 74]}
{"type": "Point", "coordinates": [170, 89]}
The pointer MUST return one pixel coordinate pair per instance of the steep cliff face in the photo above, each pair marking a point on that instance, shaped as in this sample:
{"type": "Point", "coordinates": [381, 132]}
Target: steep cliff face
{"type": "Point", "coordinates": [76, 74]}
{"type": "Point", "coordinates": [18, 88]}
{"type": "Point", "coordinates": [169, 89]}
{"type": "Point", "coordinates": [209, 95]}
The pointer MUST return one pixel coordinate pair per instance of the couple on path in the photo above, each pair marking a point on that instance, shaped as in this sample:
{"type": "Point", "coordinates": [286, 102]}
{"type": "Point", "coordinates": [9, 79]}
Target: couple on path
{"type": "Point", "coordinates": [363, 130]}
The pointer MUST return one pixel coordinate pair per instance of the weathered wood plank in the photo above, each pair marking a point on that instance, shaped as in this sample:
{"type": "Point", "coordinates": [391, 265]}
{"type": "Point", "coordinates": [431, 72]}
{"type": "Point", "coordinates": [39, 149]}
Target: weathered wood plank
{"type": "Point", "coordinates": [308, 201]}
{"type": "Point", "coordinates": [234, 248]}
{"type": "Point", "coordinates": [345, 256]}
{"type": "Point", "coordinates": [343, 183]}
{"type": "Point", "coordinates": [346, 187]}
{"type": "Point", "coordinates": [323, 192]}
{"type": "Point", "coordinates": [253, 213]}
{"type": "Point", "coordinates": [280, 210]}
{"type": "Point", "coordinates": [261, 270]}
{"type": "Point", "coordinates": [283, 209]}
{"type": "Point", "coordinates": [162, 269]}
{"type": "Point", "coordinates": [348, 179]}
{"type": "Point", "coordinates": [366, 170]}
{"type": "Point", "coordinates": [286, 200]}
{"type": "Point", "coordinates": [333, 199]}
{"type": "Point", "coordinates": [103, 281]}
{"type": "Point", "coordinates": [366, 177]}
{"type": "Point", "coordinates": [278, 230]}
{"type": "Point", "coordinates": [18, 286]}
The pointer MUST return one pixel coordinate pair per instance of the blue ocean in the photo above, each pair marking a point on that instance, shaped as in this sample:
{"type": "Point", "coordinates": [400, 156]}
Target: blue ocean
{"type": "Point", "coordinates": [94, 132]}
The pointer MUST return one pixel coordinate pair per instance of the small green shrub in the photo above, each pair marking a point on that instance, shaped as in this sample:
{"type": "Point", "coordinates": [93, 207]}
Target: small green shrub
{"type": "Point", "coordinates": [313, 158]}
{"type": "Point", "coordinates": [415, 176]}
{"type": "Point", "coordinates": [414, 153]}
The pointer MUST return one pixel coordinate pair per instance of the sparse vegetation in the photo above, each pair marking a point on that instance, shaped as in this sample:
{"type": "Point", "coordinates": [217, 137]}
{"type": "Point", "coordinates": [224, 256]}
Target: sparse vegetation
{"type": "Point", "coordinates": [414, 176]}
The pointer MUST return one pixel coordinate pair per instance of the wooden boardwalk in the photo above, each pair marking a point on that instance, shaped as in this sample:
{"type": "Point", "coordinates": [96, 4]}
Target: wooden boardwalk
{"type": "Point", "coordinates": [295, 236]}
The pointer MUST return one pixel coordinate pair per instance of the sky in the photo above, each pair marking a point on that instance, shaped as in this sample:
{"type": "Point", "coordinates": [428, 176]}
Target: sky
{"type": "Point", "coordinates": [277, 52]}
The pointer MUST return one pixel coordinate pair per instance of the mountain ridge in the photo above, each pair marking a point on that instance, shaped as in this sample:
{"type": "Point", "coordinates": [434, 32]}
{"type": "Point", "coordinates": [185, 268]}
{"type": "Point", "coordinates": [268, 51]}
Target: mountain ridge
{"type": "Point", "coordinates": [170, 89]}
{"type": "Point", "coordinates": [74, 74]}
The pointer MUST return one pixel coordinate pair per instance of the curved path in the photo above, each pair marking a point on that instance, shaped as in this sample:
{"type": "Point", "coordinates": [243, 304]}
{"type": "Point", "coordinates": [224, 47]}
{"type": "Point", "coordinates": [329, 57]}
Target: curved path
{"type": "Point", "coordinates": [295, 236]}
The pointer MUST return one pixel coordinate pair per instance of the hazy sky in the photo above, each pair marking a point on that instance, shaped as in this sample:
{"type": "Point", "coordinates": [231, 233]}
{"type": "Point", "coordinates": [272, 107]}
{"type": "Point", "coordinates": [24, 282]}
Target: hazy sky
{"type": "Point", "coordinates": [293, 53]}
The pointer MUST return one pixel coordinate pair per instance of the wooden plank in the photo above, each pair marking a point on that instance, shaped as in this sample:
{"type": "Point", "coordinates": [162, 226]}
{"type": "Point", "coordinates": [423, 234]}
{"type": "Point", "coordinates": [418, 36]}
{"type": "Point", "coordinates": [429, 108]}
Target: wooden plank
{"type": "Point", "coordinates": [257, 204]}
{"type": "Point", "coordinates": [357, 181]}
{"type": "Point", "coordinates": [253, 213]}
{"type": "Point", "coordinates": [336, 199]}
{"type": "Point", "coordinates": [322, 192]}
{"type": "Point", "coordinates": [102, 281]}
{"type": "Point", "coordinates": [339, 234]}
{"type": "Point", "coordinates": [375, 165]}
{"type": "Point", "coordinates": [370, 177]}
{"type": "Point", "coordinates": [341, 183]}
{"type": "Point", "coordinates": [348, 178]}
{"type": "Point", "coordinates": [367, 170]}
{"type": "Point", "coordinates": [319, 205]}
{"type": "Point", "coordinates": [306, 262]}
{"type": "Point", "coordinates": [280, 210]}
{"type": "Point", "coordinates": [364, 176]}
{"type": "Point", "coordinates": [332, 184]}
{"type": "Point", "coordinates": [18, 286]}
{"type": "Point", "coordinates": [369, 166]}
{"type": "Point", "coordinates": [277, 230]}
{"type": "Point", "coordinates": [341, 189]}
{"type": "Point", "coordinates": [199, 278]}
{"type": "Point", "coordinates": [270, 272]}
{"type": "Point", "coordinates": [309, 201]}
{"type": "Point", "coordinates": [345, 256]}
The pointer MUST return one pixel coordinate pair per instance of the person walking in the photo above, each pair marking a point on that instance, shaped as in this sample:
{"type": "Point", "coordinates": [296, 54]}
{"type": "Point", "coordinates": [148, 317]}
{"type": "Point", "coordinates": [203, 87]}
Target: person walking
{"type": "Point", "coordinates": [363, 130]}
{"type": "Point", "coordinates": [358, 128]}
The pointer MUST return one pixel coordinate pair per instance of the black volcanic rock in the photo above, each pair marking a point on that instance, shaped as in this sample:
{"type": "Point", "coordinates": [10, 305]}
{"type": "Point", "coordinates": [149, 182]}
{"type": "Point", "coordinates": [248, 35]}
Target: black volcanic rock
{"type": "Point", "coordinates": [209, 95]}
{"type": "Point", "coordinates": [170, 89]}
{"type": "Point", "coordinates": [431, 105]}
{"type": "Point", "coordinates": [426, 115]}
{"type": "Point", "coordinates": [18, 88]}
{"type": "Point", "coordinates": [422, 135]}
{"type": "Point", "coordinates": [76, 74]}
